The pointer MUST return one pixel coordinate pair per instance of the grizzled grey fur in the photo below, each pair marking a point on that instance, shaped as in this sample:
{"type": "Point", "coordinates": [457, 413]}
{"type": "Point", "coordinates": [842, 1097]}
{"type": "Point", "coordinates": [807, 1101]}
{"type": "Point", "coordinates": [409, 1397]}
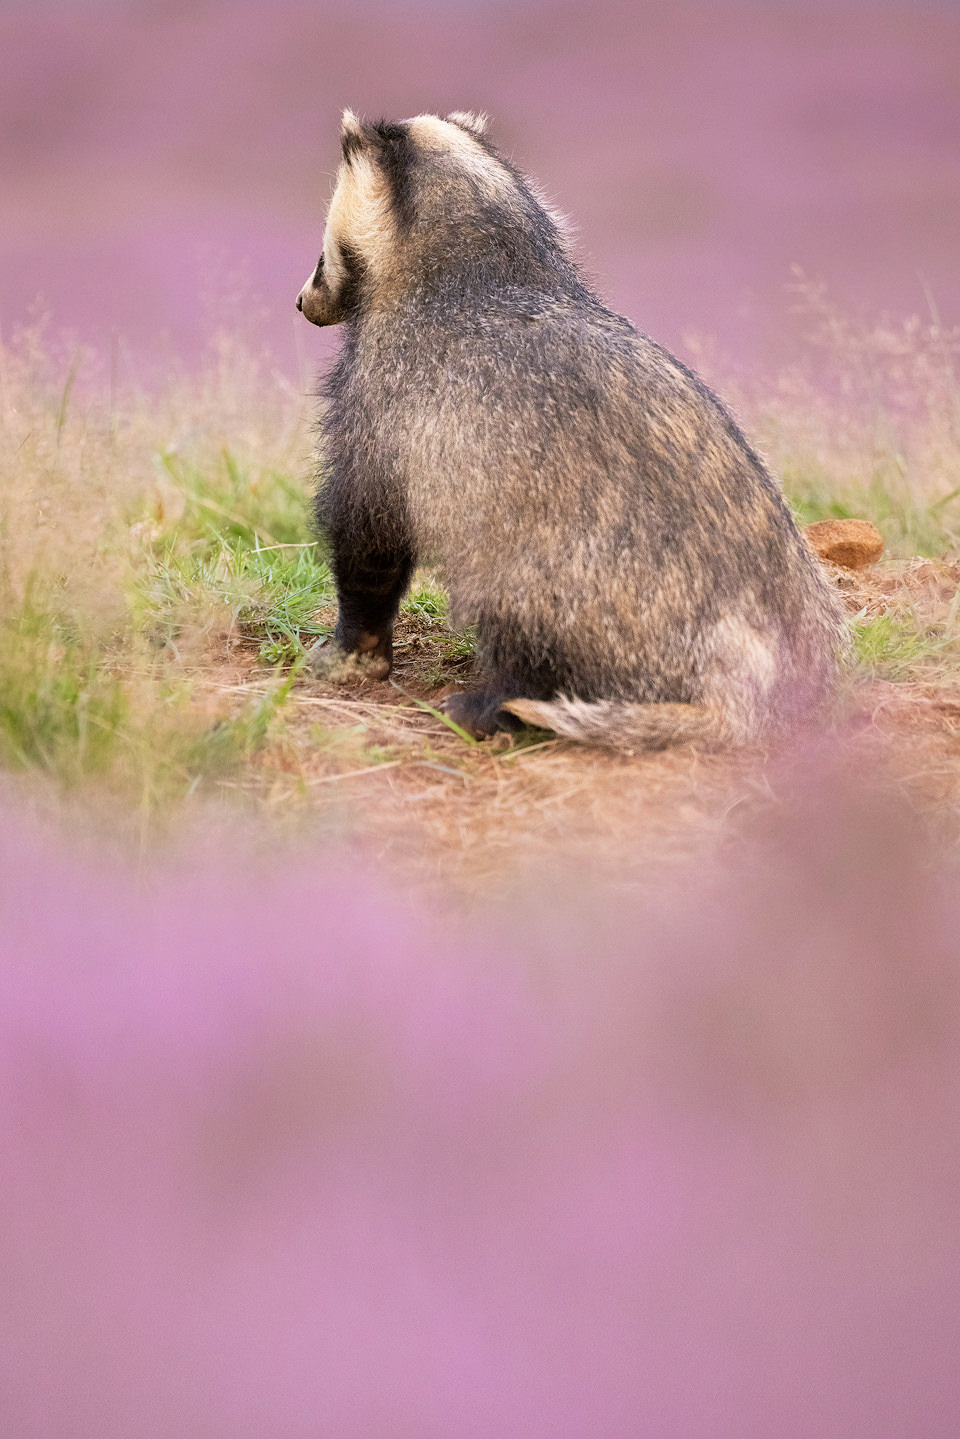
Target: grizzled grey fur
{"type": "Point", "coordinates": [633, 573]}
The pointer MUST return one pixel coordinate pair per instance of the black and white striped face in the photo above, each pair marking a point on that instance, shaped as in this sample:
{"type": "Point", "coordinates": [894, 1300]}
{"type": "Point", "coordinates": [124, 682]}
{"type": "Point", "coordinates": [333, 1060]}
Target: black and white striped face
{"type": "Point", "coordinates": [372, 186]}
{"type": "Point", "coordinates": [427, 196]}
{"type": "Point", "coordinates": [357, 214]}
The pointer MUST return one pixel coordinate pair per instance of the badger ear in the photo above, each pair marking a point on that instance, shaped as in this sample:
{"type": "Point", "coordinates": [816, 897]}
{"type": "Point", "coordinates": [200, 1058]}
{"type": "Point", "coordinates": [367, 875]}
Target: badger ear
{"type": "Point", "coordinates": [467, 120]}
{"type": "Point", "coordinates": [352, 134]}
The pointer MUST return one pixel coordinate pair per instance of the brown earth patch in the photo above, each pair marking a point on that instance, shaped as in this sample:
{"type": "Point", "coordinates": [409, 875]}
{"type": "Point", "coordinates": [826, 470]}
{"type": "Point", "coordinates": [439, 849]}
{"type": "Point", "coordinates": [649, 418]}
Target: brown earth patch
{"type": "Point", "coordinates": [374, 763]}
{"type": "Point", "coordinates": [854, 544]}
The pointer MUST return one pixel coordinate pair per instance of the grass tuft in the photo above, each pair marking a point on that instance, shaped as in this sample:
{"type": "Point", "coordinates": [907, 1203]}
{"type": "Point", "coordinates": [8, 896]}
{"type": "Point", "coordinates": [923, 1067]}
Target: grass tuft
{"type": "Point", "coordinates": [889, 647]}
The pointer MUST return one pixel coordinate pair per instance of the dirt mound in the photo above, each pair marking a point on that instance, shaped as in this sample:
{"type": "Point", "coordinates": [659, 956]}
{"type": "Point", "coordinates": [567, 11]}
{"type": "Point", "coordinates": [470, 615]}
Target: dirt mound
{"type": "Point", "coordinates": [853, 544]}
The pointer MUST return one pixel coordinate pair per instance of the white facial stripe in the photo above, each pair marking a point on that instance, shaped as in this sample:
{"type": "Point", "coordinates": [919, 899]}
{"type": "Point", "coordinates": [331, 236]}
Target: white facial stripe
{"type": "Point", "coordinates": [436, 134]}
{"type": "Point", "coordinates": [359, 216]}
{"type": "Point", "coordinates": [333, 271]}
{"type": "Point", "coordinates": [360, 211]}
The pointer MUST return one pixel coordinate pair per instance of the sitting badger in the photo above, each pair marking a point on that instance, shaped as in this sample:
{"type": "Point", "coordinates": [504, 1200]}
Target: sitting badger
{"type": "Point", "coordinates": [631, 568]}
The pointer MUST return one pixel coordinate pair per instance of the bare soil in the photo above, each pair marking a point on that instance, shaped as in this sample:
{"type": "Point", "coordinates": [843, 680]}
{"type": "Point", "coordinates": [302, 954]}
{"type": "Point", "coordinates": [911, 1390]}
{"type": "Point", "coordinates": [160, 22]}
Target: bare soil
{"type": "Point", "coordinates": [371, 764]}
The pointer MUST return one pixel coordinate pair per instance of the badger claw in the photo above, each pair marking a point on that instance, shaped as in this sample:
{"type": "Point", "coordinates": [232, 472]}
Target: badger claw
{"type": "Point", "coordinates": [478, 712]}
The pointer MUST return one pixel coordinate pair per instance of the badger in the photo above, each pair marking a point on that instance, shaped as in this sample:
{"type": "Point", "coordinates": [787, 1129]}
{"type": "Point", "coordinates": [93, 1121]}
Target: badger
{"type": "Point", "coordinates": [630, 566]}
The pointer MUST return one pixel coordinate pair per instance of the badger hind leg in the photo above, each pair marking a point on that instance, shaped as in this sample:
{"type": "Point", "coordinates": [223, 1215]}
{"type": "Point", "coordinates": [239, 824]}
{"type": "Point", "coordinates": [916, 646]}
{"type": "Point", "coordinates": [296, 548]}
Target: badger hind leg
{"type": "Point", "coordinates": [625, 726]}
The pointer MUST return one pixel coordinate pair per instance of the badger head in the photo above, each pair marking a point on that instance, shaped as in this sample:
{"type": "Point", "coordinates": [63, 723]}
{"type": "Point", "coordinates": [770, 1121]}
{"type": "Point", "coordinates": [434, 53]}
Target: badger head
{"type": "Point", "coordinates": [415, 198]}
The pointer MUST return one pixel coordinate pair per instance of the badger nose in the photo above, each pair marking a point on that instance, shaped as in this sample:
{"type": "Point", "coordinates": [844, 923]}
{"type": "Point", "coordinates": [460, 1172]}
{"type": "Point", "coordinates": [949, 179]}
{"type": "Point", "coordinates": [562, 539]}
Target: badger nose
{"type": "Point", "coordinates": [300, 302]}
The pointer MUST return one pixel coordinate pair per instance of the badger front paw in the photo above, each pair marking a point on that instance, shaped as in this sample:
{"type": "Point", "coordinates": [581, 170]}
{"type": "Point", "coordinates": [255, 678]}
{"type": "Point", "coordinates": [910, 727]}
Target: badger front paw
{"type": "Point", "coordinates": [330, 662]}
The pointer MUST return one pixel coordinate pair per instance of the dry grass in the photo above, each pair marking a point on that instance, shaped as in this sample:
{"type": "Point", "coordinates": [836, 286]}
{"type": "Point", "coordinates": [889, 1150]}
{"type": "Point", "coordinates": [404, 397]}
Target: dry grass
{"type": "Point", "coordinates": [864, 422]}
{"type": "Point", "coordinates": [159, 585]}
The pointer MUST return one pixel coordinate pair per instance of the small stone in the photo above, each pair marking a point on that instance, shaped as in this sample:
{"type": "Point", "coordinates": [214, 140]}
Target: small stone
{"type": "Point", "coordinates": [854, 544]}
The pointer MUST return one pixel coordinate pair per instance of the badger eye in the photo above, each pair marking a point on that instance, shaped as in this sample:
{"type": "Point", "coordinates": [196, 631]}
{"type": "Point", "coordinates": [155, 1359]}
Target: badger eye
{"type": "Point", "coordinates": [318, 272]}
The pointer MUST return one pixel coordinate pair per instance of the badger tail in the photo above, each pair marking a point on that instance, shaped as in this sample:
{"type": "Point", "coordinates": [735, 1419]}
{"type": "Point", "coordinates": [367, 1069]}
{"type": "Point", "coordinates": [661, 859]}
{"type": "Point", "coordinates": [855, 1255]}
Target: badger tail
{"type": "Point", "coordinates": [620, 725]}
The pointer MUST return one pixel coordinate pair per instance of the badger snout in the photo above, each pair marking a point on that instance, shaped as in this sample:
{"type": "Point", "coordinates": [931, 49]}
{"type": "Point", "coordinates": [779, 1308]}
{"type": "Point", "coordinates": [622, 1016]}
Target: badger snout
{"type": "Point", "coordinates": [313, 302]}
{"type": "Point", "coordinates": [318, 303]}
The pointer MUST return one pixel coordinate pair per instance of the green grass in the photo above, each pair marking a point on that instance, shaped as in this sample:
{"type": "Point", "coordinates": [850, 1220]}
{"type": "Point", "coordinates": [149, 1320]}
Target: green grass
{"type": "Point", "coordinates": [910, 524]}
{"type": "Point", "coordinates": [61, 710]}
{"type": "Point", "coordinates": [452, 650]}
{"type": "Point", "coordinates": [137, 544]}
{"type": "Point", "coordinates": [228, 499]}
{"type": "Point", "coordinates": [889, 647]}
{"type": "Point", "coordinates": [897, 647]}
{"type": "Point", "coordinates": [272, 594]}
{"type": "Point", "coordinates": [426, 600]}
{"type": "Point", "coordinates": [239, 544]}
{"type": "Point", "coordinates": [77, 708]}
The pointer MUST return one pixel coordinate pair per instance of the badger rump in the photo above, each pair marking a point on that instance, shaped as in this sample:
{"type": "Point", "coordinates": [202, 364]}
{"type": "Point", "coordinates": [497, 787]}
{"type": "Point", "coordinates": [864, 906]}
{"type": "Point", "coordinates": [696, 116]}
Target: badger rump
{"type": "Point", "coordinates": [632, 570]}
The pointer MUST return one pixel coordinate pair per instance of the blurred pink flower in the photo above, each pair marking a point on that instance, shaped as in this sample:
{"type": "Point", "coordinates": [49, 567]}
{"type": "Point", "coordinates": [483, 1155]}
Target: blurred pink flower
{"type": "Point", "coordinates": [284, 1157]}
